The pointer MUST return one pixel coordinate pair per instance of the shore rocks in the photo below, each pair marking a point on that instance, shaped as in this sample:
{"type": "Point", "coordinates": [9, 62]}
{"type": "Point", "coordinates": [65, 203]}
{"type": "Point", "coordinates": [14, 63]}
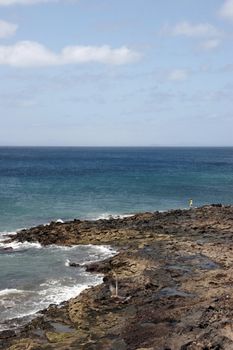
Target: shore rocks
{"type": "Point", "coordinates": [6, 250]}
{"type": "Point", "coordinates": [173, 274]}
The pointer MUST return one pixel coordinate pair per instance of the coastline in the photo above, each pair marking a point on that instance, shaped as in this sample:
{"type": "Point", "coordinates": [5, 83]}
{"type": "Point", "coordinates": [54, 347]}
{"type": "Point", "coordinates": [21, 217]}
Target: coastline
{"type": "Point", "coordinates": [173, 272]}
{"type": "Point", "coordinates": [47, 278]}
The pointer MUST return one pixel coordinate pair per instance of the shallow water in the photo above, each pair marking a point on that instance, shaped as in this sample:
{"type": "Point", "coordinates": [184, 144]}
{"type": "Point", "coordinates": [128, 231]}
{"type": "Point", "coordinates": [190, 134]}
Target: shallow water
{"type": "Point", "coordinates": [33, 277]}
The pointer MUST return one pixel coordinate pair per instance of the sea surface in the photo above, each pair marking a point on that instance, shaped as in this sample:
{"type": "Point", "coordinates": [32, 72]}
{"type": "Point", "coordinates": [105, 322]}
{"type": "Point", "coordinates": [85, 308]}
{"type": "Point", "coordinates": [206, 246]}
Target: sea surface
{"type": "Point", "coordinates": [40, 185]}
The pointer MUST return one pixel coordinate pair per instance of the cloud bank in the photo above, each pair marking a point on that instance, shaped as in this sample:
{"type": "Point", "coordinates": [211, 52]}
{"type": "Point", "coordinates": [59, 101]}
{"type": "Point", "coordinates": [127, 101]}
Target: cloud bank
{"type": "Point", "coordinates": [7, 29]}
{"type": "Point", "coordinates": [33, 54]}
{"type": "Point", "coordinates": [226, 10]}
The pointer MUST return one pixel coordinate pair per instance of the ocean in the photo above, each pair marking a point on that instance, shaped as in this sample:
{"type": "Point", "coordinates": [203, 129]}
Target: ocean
{"type": "Point", "coordinates": [40, 184]}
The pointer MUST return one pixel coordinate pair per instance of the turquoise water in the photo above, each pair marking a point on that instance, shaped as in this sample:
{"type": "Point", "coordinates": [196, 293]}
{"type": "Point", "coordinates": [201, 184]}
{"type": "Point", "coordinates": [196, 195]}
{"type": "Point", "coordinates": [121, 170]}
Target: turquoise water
{"type": "Point", "coordinates": [38, 185]}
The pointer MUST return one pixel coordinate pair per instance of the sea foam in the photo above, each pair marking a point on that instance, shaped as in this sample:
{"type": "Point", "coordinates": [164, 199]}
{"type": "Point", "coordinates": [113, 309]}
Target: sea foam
{"type": "Point", "coordinates": [108, 216]}
{"type": "Point", "coordinates": [17, 246]}
{"type": "Point", "coordinates": [8, 291]}
{"type": "Point", "coordinates": [19, 304]}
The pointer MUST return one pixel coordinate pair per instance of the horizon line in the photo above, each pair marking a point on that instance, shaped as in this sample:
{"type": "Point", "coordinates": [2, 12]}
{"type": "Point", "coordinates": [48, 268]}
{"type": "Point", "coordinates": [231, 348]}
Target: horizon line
{"type": "Point", "coordinates": [121, 146]}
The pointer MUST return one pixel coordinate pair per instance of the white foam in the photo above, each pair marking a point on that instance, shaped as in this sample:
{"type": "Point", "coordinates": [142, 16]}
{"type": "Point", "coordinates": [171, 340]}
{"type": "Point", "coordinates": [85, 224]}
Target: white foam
{"type": "Point", "coordinates": [6, 235]}
{"type": "Point", "coordinates": [100, 252]}
{"type": "Point", "coordinates": [125, 216]}
{"type": "Point", "coordinates": [99, 249]}
{"type": "Point", "coordinates": [10, 291]}
{"type": "Point", "coordinates": [61, 247]}
{"type": "Point", "coordinates": [20, 317]}
{"type": "Point", "coordinates": [50, 292]}
{"type": "Point", "coordinates": [67, 262]}
{"type": "Point", "coordinates": [17, 303]}
{"type": "Point", "coordinates": [108, 216]}
{"type": "Point", "coordinates": [60, 221]}
{"type": "Point", "coordinates": [20, 246]}
{"type": "Point", "coordinates": [57, 221]}
{"type": "Point", "coordinates": [104, 216]}
{"type": "Point", "coordinates": [54, 292]}
{"type": "Point", "coordinates": [25, 314]}
{"type": "Point", "coordinates": [104, 249]}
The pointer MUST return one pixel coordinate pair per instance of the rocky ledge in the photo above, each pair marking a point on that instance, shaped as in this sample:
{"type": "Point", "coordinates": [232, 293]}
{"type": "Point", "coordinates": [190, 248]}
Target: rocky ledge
{"type": "Point", "coordinates": [169, 287]}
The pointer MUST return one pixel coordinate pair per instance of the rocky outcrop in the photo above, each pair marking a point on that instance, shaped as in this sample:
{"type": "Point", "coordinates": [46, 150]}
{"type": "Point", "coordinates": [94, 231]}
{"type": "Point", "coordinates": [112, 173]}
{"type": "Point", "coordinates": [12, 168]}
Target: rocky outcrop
{"type": "Point", "coordinates": [169, 287]}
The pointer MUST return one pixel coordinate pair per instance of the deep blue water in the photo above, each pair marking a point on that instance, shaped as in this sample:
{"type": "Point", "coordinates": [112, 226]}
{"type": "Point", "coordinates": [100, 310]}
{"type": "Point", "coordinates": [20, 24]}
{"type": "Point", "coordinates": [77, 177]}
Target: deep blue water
{"type": "Point", "coordinates": [38, 185]}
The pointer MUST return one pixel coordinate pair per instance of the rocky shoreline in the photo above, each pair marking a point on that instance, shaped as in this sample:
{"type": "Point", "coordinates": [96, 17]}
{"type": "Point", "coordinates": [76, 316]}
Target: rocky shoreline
{"type": "Point", "coordinates": [169, 287]}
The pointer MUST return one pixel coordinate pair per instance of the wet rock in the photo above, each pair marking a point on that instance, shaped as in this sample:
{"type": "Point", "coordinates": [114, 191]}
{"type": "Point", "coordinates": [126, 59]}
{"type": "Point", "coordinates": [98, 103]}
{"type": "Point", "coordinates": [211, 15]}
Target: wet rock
{"type": "Point", "coordinates": [6, 250]}
{"type": "Point", "coordinates": [73, 264]}
{"type": "Point", "coordinates": [54, 337]}
{"type": "Point", "coordinates": [119, 344]}
{"type": "Point", "coordinates": [99, 267]}
{"type": "Point", "coordinates": [7, 334]}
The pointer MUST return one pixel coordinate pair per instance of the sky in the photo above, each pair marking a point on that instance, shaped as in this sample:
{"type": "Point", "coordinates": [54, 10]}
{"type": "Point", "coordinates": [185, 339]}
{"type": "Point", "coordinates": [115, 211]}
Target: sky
{"type": "Point", "coordinates": [116, 72]}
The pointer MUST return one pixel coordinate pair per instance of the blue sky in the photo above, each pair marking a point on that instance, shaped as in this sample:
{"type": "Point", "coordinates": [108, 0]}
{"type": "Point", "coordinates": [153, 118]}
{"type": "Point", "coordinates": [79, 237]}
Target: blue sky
{"type": "Point", "coordinates": [120, 73]}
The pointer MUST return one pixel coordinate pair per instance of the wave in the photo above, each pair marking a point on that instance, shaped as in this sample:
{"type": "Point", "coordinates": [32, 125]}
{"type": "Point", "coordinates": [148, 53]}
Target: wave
{"type": "Point", "coordinates": [18, 246]}
{"type": "Point", "coordinates": [103, 249]}
{"type": "Point", "coordinates": [61, 247]}
{"type": "Point", "coordinates": [60, 221]}
{"type": "Point", "coordinates": [108, 216]}
{"type": "Point", "coordinates": [8, 291]}
{"type": "Point", "coordinates": [67, 262]}
{"type": "Point", "coordinates": [96, 253]}
{"type": "Point", "coordinates": [57, 221]}
{"type": "Point", "coordinates": [54, 292]}
{"type": "Point", "coordinates": [17, 305]}
{"type": "Point", "coordinates": [6, 235]}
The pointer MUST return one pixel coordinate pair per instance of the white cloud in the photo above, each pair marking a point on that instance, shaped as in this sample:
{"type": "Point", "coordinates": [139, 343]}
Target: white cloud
{"type": "Point", "coordinates": [227, 9]}
{"type": "Point", "coordinates": [103, 54]}
{"type": "Point", "coordinates": [210, 35]}
{"type": "Point", "coordinates": [210, 44]}
{"type": "Point", "coordinates": [33, 54]}
{"type": "Point", "coordinates": [27, 53]}
{"type": "Point", "coordinates": [178, 75]}
{"type": "Point", "coordinates": [7, 29]}
{"type": "Point", "coordinates": [192, 30]}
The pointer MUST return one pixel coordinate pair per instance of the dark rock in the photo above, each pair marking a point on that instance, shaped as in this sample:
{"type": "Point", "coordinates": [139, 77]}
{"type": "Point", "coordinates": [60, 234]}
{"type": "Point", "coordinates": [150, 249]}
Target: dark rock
{"type": "Point", "coordinates": [7, 334]}
{"type": "Point", "coordinates": [6, 250]}
{"type": "Point", "coordinates": [173, 272]}
{"type": "Point", "coordinates": [98, 267]}
{"type": "Point", "coordinates": [73, 264]}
